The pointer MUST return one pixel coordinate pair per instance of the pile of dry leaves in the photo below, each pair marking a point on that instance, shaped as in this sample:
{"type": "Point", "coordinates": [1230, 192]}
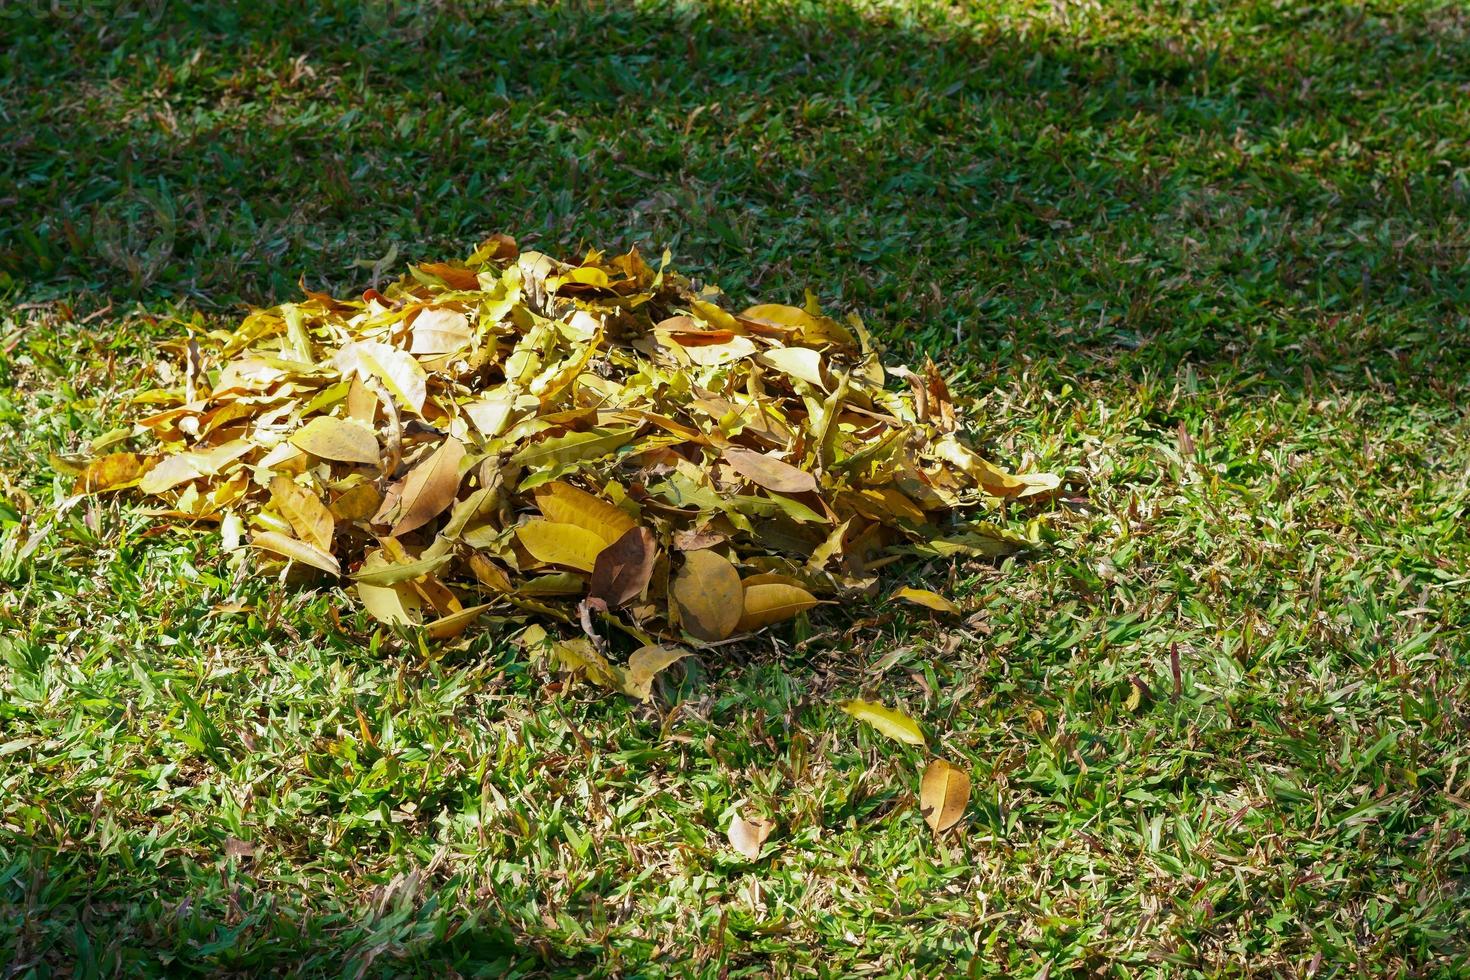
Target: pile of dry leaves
{"type": "Point", "coordinates": [598, 449]}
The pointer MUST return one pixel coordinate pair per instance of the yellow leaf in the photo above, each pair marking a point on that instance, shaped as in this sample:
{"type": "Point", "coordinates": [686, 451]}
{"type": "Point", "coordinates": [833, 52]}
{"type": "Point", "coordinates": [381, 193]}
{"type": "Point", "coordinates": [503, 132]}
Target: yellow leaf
{"type": "Point", "coordinates": [560, 544]}
{"type": "Point", "coordinates": [801, 363]}
{"type": "Point", "coordinates": [399, 372]}
{"type": "Point", "coordinates": [308, 517]}
{"type": "Point", "coordinates": [707, 596]}
{"type": "Point", "coordinates": [342, 440]}
{"type": "Point", "coordinates": [378, 569]}
{"type": "Point", "coordinates": [943, 794]}
{"type": "Point", "coordinates": [894, 724]}
{"type": "Point", "coordinates": [565, 504]}
{"type": "Point", "coordinates": [455, 623]}
{"type": "Point", "coordinates": [644, 665]}
{"type": "Point", "coordinates": [430, 487]}
{"type": "Point", "coordinates": [356, 503]}
{"type": "Point", "coordinates": [297, 551]}
{"type": "Point", "coordinates": [927, 599]}
{"type": "Point", "coordinates": [573, 447]}
{"type": "Point", "coordinates": [770, 602]}
{"type": "Point", "coordinates": [114, 472]}
{"type": "Point", "coordinates": [187, 466]}
{"type": "Point", "coordinates": [393, 605]}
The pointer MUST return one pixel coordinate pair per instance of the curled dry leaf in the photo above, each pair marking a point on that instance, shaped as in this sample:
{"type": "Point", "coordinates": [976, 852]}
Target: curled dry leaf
{"type": "Point", "coordinates": [513, 437]}
{"type": "Point", "coordinates": [622, 569]}
{"type": "Point", "coordinates": [116, 471]}
{"type": "Point", "coordinates": [944, 792]}
{"type": "Point", "coordinates": [298, 551]}
{"type": "Point", "coordinates": [645, 664]}
{"type": "Point", "coordinates": [749, 836]}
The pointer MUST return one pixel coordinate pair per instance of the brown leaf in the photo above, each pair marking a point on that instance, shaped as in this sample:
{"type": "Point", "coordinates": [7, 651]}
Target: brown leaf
{"type": "Point", "coordinates": [769, 472]}
{"type": "Point", "coordinates": [623, 568]}
{"type": "Point", "coordinates": [944, 793]}
{"type": "Point", "coordinates": [430, 487]}
{"type": "Point", "coordinates": [454, 276]}
{"type": "Point", "coordinates": [707, 596]}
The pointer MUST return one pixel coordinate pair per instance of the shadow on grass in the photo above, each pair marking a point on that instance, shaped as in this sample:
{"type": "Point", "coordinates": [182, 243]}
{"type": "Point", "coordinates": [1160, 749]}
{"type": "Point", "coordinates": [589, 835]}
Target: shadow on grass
{"type": "Point", "coordinates": [1281, 191]}
{"type": "Point", "coordinates": [64, 908]}
{"type": "Point", "coordinates": [1280, 187]}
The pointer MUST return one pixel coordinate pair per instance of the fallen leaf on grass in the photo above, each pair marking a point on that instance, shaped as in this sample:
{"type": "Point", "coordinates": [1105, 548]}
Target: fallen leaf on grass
{"type": "Point", "coordinates": [927, 599]}
{"type": "Point", "coordinates": [894, 724]}
{"type": "Point", "coordinates": [944, 793]}
{"type": "Point", "coordinates": [645, 664]}
{"type": "Point", "coordinates": [749, 836]}
{"type": "Point", "coordinates": [299, 551]}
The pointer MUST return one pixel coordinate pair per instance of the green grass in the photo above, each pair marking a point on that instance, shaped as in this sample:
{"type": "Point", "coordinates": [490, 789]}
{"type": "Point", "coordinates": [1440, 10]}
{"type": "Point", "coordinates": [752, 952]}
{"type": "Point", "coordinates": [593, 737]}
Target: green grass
{"type": "Point", "coordinates": [1211, 260]}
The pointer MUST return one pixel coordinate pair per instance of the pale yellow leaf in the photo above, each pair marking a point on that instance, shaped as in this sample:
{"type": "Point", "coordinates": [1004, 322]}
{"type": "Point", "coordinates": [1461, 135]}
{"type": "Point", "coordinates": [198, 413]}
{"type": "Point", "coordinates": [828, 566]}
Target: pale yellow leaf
{"type": "Point", "coordinates": [399, 372]}
{"type": "Point", "coordinates": [894, 724]}
{"type": "Point", "coordinates": [342, 440]}
{"type": "Point", "coordinates": [801, 363]}
{"type": "Point", "coordinates": [393, 605]}
{"type": "Point", "coordinates": [439, 331]}
{"type": "Point", "coordinates": [296, 550]}
{"type": "Point", "coordinates": [645, 663]}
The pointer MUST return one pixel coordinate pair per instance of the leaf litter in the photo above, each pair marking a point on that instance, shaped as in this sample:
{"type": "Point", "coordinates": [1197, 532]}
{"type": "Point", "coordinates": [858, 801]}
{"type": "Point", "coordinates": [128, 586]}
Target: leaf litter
{"type": "Point", "coordinates": [598, 450]}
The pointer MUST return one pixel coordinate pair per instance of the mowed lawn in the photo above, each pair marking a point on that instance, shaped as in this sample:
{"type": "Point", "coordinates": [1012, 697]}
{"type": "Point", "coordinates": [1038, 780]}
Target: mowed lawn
{"type": "Point", "coordinates": [1209, 260]}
